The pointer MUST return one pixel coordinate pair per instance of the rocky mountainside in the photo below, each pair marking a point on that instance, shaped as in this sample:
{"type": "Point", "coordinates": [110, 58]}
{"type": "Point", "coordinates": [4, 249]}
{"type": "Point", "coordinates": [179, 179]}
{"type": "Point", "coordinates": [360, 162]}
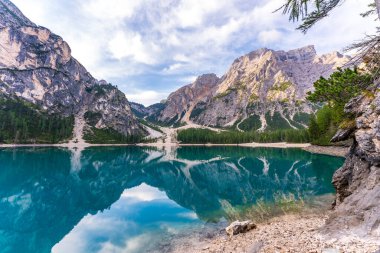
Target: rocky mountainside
{"type": "Point", "coordinates": [36, 65]}
{"type": "Point", "coordinates": [180, 103]}
{"type": "Point", "coordinates": [264, 89]}
{"type": "Point", "coordinates": [358, 181]}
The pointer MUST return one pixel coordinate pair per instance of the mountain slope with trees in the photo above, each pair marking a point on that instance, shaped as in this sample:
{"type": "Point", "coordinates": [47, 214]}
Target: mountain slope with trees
{"type": "Point", "coordinates": [36, 66]}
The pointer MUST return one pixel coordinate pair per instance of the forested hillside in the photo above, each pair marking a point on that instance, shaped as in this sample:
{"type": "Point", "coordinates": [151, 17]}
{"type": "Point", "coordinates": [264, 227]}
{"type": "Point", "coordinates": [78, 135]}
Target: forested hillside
{"type": "Point", "coordinates": [21, 122]}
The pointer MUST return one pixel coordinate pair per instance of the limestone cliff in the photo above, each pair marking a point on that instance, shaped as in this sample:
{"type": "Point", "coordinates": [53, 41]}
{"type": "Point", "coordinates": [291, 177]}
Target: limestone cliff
{"type": "Point", "coordinates": [264, 90]}
{"type": "Point", "coordinates": [357, 183]}
{"type": "Point", "coordinates": [180, 104]}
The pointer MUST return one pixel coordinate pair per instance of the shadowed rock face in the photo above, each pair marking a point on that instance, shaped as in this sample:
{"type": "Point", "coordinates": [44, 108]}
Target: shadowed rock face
{"type": "Point", "coordinates": [358, 181]}
{"type": "Point", "coordinates": [11, 16]}
{"type": "Point", "coordinates": [260, 83]}
{"type": "Point", "coordinates": [36, 65]}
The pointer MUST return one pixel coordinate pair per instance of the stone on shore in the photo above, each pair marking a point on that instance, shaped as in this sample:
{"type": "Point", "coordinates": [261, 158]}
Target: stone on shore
{"type": "Point", "coordinates": [238, 227]}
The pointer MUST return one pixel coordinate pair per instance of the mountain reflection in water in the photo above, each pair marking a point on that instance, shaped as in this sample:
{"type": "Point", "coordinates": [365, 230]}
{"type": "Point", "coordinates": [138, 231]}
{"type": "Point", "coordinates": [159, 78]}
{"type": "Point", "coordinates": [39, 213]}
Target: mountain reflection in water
{"type": "Point", "coordinates": [123, 199]}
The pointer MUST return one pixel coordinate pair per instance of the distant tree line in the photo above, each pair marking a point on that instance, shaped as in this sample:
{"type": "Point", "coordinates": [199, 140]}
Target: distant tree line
{"type": "Point", "coordinates": [202, 136]}
{"type": "Point", "coordinates": [110, 136]}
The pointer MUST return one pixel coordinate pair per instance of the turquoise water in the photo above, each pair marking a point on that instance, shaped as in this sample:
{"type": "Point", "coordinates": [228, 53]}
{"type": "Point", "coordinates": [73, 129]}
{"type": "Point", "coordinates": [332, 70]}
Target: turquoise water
{"type": "Point", "coordinates": [130, 199]}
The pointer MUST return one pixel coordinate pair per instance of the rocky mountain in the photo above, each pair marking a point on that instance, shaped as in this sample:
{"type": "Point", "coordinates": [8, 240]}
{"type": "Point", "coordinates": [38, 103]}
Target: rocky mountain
{"type": "Point", "coordinates": [264, 89]}
{"type": "Point", "coordinates": [180, 103]}
{"type": "Point", "coordinates": [37, 66]}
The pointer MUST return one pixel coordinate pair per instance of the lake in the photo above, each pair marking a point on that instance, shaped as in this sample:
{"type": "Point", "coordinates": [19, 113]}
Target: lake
{"type": "Point", "coordinates": [132, 199]}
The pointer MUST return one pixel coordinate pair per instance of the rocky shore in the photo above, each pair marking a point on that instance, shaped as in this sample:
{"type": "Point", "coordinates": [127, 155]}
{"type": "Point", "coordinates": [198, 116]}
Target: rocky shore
{"type": "Point", "coordinates": [328, 150]}
{"type": "Point", "coordinates": [287, 233]}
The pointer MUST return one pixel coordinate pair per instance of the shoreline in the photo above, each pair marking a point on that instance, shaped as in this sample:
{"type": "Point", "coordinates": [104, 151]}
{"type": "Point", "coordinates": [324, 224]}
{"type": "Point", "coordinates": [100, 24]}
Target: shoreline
{"type": "Point", "coordinates": [86, 145]}
{"type": "Point", "coordinates": [285, 233]}
{"type": "Point", "coordinates": [328, 150]}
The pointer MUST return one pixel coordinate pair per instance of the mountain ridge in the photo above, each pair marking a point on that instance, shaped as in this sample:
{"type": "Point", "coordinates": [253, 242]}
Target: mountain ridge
{"type": "Point", "coordinates": [261, 89]}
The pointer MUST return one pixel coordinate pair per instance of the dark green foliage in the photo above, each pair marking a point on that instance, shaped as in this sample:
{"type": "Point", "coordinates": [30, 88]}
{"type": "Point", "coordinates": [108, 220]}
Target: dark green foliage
{"type": "Point", "coordinates": [203, 136]}
{"type": "Point", "coordinates": [299, 9]}
{"type": "Point", "coordinates": [340, 87]}
{"type": "Point", "coordinates": [335, 92]}
{"type": "Point", "coordinates": [251, 123]}
{"type": "Point", "coordinates": [314, 127]}
{"type": "Point", "coordinates": [296, 124]}
{"type": "Point", "coordinates": [302, 117]}
{"type": "Point", "coordinates": [100, 90]}
{"type": "Point", "coordinates": [276, 122]}
{"type": "Point", "coordinates": [22, 122]}
{"type": "Point", "coordinates": [92, 117]}
{"type": "Point", "coordinates": [324, 125]}
{"type": "Point", "coordinates": [109, 136]}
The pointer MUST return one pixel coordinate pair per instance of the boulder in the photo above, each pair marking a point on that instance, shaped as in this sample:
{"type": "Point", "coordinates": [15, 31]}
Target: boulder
{"type": "Point", "coordinates": [238, 227]}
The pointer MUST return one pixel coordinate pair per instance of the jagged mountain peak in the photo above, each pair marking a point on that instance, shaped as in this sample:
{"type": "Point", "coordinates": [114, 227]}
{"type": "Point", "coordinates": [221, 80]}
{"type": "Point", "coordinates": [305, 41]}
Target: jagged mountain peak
{"type": "Point", "coordinates": [10, 15]}
{"type": "Point", "coordinates": [302, 53]}
{"type": "Point", "coordinates": [210, 79]}
{"type": "Point", "coordinates": [263, 89]}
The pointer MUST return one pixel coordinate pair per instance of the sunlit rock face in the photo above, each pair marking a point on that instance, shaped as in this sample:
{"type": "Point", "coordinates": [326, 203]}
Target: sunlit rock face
{"type": "Point", "coordinates": [358, 181]}
{"type": "Point", "coordinates": [266, 87]}
{"type": "Point", "coordinates": [180, 103]}
{"type": "Point", "coordinates": [36, 65]}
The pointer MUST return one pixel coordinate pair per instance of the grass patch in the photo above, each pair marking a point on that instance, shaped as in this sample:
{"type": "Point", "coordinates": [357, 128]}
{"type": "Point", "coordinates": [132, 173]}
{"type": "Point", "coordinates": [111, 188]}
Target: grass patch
{"type": "Point", "coordinates": [262, 211]}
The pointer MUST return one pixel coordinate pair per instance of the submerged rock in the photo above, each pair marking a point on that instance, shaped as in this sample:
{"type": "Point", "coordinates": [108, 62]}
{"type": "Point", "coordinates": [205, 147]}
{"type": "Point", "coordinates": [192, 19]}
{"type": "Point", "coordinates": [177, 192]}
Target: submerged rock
{"type": "Point", "coordinates": [238, 227]}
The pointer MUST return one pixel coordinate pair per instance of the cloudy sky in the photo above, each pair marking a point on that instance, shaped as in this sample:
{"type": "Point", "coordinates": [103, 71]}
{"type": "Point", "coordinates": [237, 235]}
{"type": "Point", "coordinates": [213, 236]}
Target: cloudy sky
{"type": "Point", "coordinates": [152, 47]}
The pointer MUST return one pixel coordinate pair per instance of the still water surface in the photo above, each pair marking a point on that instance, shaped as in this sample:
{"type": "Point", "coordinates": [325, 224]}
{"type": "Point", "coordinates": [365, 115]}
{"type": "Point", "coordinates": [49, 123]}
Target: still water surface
{"type": "Point", "coordinates": [131, 199]}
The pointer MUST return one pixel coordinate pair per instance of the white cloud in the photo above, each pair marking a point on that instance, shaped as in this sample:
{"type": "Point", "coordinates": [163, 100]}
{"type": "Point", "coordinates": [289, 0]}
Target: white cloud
{"type": "Point", "coordinates": [192, 13]}
{"type": "Point", "coordinates": [269, 36]}
{"type": "Point", "coordinates": [146, 97]}
{"type": "Point", "coordinates": [126, 40]}
{"type": "Point", "coordinates": [172, 68]}
{"type": "Point", "coordinates": [188, 79]}
{"type": "Point", "coordinates": [115, 9]}
{"type": "Point", "coordinates": [131, 45]}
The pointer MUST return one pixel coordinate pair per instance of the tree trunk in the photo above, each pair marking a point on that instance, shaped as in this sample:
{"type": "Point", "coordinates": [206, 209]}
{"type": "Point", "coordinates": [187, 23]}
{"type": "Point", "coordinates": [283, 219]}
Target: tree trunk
{"type": "Point", "coordinates": [377, 2]}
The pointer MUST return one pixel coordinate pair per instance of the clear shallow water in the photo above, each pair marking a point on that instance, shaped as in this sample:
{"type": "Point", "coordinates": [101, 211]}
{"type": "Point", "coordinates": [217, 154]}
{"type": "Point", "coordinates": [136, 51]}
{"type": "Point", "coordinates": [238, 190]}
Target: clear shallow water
{"type": "Point", "coordinates": [130, 199]}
